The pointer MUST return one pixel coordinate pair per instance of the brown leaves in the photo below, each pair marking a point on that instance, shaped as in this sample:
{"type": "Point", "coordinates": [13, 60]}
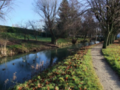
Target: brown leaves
{"type": "Point", "coordinates": [66, 78]}
{"type": "Point", "coordinates": [20, 88]}
{"type": "Point", "coordinates": [68, 67]}
{"type": "Point", "coordinates": [48, 88]}
{"type": "Point", "coordinates": [47, 82]}
{"type": "Point", "coordinates": [39, 85]}
{"type": "Point", "coordinates": [30, 81]}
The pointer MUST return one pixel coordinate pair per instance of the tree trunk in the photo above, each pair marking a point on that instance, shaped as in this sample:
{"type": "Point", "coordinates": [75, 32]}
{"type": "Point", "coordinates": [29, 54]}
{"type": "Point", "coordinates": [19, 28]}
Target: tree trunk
{"type": "Point", "coordinates": [28, 37]}
{"type": "Point", "coordinates": [106, 40]}
{"type": "Point", "coordinates": [25, 37]}
{"type": "Point", "coordinates": [53, 40]}
{"type": "Point", "coordinates": [96, 38]}
{"type": "Point", "coordinates": [85, 37]}
{"type": "Point", "coordinates": [109, 38]}
{"type": "Point", "coordinates": [74, 41]}
{"type": "Point", "coordinates": [36, 38]}
{"type": "Point", "coordinates": [113, 39]}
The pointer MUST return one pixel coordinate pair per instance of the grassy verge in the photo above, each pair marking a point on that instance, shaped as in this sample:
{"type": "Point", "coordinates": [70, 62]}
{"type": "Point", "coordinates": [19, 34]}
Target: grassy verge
{"type": "Point", "coordinates": [16, 43]}
{"type": "Point", "coordinates": [65, 42]}
{"type": "Point", "coordinates": [74, 73]}
{"type": "Point", "coordinates": [112, 54]}
{"type": "Point", "coordinates": [26, 47]}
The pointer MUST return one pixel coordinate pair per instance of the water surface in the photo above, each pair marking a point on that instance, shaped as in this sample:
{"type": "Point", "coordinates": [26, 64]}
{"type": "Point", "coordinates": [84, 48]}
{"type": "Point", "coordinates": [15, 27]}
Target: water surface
{"type": "Point", "coordinates": [22, 67]}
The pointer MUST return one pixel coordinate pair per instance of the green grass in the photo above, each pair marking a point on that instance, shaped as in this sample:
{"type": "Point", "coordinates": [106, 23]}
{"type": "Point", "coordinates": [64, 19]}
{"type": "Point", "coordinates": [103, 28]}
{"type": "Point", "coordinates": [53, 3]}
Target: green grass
{"type": "Point", "coordinates": [25, 47]}
{"type": "Point", "coordinates": [10, 35]}
{"type": "Point", "coordinates": [17, 45]}
{"type": "Point", "coordinates": [112, 54]}
{"type": "Point", "coordinates": [44, 39]}
{"type": "Point", "coordinates": [68, 40]}
{"type": "Point", "coordinates": [73, 73]}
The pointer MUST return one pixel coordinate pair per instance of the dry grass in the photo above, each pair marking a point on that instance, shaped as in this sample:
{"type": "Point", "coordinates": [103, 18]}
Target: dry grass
{"type": "Point", "coordinates": [3, 49]}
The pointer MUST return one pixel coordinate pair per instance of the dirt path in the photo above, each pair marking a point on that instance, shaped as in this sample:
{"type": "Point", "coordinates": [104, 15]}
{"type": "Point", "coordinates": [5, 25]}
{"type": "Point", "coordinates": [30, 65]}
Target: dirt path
{"type": "Point", "coordinates": [107, 76]}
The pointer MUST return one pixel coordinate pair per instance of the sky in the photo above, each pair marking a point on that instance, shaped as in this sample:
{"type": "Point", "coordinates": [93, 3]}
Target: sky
{"type": "Point", "coordinates": [22, 11]}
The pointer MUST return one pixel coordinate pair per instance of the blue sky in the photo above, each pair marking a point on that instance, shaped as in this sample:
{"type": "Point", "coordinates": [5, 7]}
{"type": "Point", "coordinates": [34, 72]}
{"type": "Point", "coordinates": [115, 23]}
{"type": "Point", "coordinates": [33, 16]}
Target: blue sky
{"type": "Point", "coordinates": [22, 12]}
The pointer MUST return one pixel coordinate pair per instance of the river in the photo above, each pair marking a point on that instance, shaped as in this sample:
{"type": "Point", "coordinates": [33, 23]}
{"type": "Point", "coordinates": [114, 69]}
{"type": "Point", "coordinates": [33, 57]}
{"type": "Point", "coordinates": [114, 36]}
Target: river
{"type": "Point", "coordinates": [19, 68]}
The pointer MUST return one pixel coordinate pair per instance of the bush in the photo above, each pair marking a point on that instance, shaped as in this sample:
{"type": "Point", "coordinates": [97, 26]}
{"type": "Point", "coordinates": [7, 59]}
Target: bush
{"type": "Point", "coordinates": [12, 30]}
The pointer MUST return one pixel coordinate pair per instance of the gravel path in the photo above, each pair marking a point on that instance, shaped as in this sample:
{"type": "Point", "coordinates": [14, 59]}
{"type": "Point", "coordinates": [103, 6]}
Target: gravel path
{"type": "Point", "coordinates": [108, 78]}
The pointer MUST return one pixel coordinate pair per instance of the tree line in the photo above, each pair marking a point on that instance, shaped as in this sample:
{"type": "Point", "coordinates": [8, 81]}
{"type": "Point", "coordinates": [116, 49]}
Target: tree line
{"type": "Point", "coordinates": [67, 19]}
{"type": "Point", "coordinates": [107, 12]}
{"type": "Point", "coordinates": [72, 18]}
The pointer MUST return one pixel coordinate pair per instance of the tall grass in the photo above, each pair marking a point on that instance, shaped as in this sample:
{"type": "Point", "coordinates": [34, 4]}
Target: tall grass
{"type": "Point", "coordinates": [3, 49]}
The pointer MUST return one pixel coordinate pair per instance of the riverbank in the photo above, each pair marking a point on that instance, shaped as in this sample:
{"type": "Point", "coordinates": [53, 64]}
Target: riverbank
{"type": "Point", "coordinates": [14, 48]}
{"type": "Point", "coordinates": [18, 45]}
{"type": "Point", "coordinates": [76, 72]}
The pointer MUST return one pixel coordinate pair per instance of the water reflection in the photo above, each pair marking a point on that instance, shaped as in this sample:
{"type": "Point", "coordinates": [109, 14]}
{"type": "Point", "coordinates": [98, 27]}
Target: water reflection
{"type": "Point", "coordinates": [19, 68]}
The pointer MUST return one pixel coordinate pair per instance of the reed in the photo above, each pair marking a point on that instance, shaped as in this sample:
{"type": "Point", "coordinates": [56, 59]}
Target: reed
{"type": "Point", "coordinates": [3, 49]}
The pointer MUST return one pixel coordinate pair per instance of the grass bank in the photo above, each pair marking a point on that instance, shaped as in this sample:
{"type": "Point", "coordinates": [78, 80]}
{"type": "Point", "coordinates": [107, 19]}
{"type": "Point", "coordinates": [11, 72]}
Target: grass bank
{"type": "Point", "coordinates": [76, 72]}
{"type": "Point", "coordinates": [31, 37]}
{"type": "Point", "coordinates": [112, 55]}
{"type": "Point", "coordinates": [16, 44]}
{"type": "Point", "coordinates": [18, 47]}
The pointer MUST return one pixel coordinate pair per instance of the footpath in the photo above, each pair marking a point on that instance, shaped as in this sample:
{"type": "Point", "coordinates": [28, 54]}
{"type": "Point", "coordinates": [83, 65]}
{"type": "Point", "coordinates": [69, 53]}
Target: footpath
{"type": "Point", "coordinates": [108, 78]}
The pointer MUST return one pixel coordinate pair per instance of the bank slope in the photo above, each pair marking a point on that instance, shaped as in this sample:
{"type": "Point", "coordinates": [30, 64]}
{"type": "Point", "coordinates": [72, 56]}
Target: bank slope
{"type": "Point", "coordinates": [74, 73]}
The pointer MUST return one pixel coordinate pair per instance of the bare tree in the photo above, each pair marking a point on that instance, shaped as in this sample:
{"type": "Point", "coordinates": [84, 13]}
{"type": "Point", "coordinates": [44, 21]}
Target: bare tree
{"type": "Point", "coordinates": [25, 33]}
{"type": "Point", "coordinates": [89, 26]}
{"type": "Point", "coordinates": [4, 7]}
{"type": "Point", "coordinates": [48, 9]}
{"type": "Point", "coordinates": [74, 19]}
{"type": "Point", "coordinates": [33, 26]}
{"type": "Point", "coordinates": [107, 13]}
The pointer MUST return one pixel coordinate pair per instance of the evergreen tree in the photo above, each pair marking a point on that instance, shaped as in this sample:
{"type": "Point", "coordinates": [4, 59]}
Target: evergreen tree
{"type": "Point", "coordinates": [74, 19]}
{"type": "Point", "coordinates": [63, 18]}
